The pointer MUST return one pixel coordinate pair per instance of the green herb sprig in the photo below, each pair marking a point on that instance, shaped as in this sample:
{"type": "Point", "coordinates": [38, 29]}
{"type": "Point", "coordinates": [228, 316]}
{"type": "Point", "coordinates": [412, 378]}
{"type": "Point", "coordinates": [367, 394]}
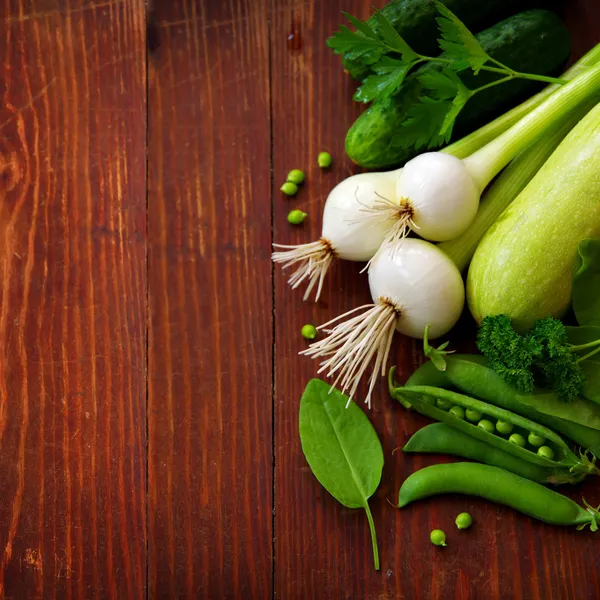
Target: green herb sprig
{"type": "Point", "coordinates": [431, 117]}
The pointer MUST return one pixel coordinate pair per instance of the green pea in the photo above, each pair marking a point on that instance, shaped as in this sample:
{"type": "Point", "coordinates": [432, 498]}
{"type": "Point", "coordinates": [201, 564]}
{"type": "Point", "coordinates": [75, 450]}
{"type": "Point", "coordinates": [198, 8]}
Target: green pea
{"type": "Point", "coordinates": [438, 537]}
{"type": "Point", "coordinates": [518, 439]}
{"type": "Point", "coordinates": [464, 520]}
{"type": "Point", "coordinates": [289, 188]}
{"type": "Point", "coordinates": [309, 332]}
{"type": "Point", "coordinates": [296, 176]}
{"type": "Point", "coordinates": [486, 425]}
{"type": "Point", "coordinates": [504, 428]}
{"type": "Point", "coordinates": [324, 160]}
{"type": "Point", "coordinates": [473, 415]}
{"type": "Point", "coordinates": [443, 404]}
{"type": "Point", "coordinates": [458, 411]}
{"type": "Point", "coordinates": [546, 452]}
{"type": "Point", "coordinates": [296, 217]}
{"type": "Point", "coordinates": [536, 440]}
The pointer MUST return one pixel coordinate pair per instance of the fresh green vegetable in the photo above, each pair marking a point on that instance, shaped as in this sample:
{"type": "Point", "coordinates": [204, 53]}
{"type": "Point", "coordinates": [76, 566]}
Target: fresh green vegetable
{"type": "Point", "coordinates": [486, 425]}
{"type": "Point", "coordinates": [499, 486]}
{"type": "Point", "coordinates": [443, 403]}
{"type": "Point", "coordinates": [415, 21]}
{"type": "Point", "coordinates": [341, 447]}
{"type": "Point", "coordinates": [546, 452]}
{"type": "Point", "coordinates": [422, 399]}
{"type": "Point", "coordinates": [296, 217]}
{"type": "Point", "coordinates": [296, 176]}
{"type": "Point", "coordinates": [535, 41]}
{"type": "Point", "coordinates": [536, 440]}
{"type": "Point", "coordinates": [309, 332]}
{"type": "Point", "coordinates": [324, 160]}
{"type": "Point", "coordinates": [507, 186]}
{"type": "Point", "coordinates": [504, 428]}
{"type": "Point", "coordinates": [518, 440]}
{"type": "Point", "coordinates": [473, 415]}
{"type": "Point", "coordinates": [586, 284]}
{"type": "Point", "coordinates": [458, 412]}
{"type": "Point", "coordinates": [464, 521]}
{"type": "Point", "coordinates": [438, 537]}
{"type": "Point", "coordinates": [436, 355]}
{"type": "Point", "coordinates": [591, 365]}
{"type": "Point", "coordinates": [440, 438]}
{"type": "Point", "coordinates": [545, 351]}
{"type": "Point", "coordinates": [289, 188]}
{"type": "Point", "coordinates": [557, 210]}
{"type": "Point", "coordinates": [580, 410]}
{"type": "Point", "coordinates": [471, 375]}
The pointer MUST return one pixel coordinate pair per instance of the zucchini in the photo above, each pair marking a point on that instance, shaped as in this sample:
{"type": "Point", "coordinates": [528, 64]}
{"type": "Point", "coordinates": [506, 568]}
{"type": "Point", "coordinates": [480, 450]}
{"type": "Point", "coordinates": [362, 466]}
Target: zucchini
{"type": "Point", "coordinates": [534, 41]}
{"type": "Point", "coordinates": [524, 265]}
{"type": "Point", "coordinates": [415, 21]}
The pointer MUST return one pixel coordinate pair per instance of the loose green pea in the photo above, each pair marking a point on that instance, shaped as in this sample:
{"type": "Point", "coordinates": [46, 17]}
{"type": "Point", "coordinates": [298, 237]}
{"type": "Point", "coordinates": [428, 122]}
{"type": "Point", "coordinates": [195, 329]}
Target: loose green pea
{"type": "Point", "coordinates": [486, 425]}
{"type": "Point", "coordinates": [464, 520]}
{"type": "Point", "coordinates": [443, 404]}
{"type": "Point", "coordinates": [438, 537]}
{"type": "Point", "coordinates": [324, 160]}
{"type": "Point", "coordinates": [309, 332]}
{"type": "Point", "coordinates": [458, 411]}
{"type": "Point", "coordinates": [289, 188]}
{"type": "Point", "coordinates": [546, 452]}
{"type": "Point", "coordinates": [296, 176]}
{"type": "Point", "coordinates": [296, 217]}
{"type": "Point", "coordinates": [504, 428]}
{"type": "Point", "coordinates": [518, 439]}
{"type": "Point", "coordinates": [536, 440]}
{"type": "Point", "coordinates": [473, 415]}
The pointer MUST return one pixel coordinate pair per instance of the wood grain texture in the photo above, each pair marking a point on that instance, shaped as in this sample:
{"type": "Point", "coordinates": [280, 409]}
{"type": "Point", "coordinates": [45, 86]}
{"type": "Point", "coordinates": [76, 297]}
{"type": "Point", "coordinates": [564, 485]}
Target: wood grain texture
{"type": "Point", "coordinates": [210, 339]}
{"type": "Point", "coordinates": [323, 550]}
{"type": "Point", "coordinates": [72, 300]}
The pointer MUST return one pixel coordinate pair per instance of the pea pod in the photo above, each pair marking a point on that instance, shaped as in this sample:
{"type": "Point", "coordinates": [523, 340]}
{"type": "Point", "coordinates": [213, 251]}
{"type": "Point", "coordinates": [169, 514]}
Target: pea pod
{"type": "Point", "coordinates": [470, 374]}
{"type": "Point", "coordinates": [440, 438]}
{"type": "Point", "coordinates": [499, 486]}
{"type": "Point", "coordinates": [422, 399]}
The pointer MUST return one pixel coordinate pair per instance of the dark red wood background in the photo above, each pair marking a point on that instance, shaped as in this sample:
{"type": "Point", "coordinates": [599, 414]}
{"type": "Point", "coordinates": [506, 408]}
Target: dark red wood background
{"type": "Point", "coordinates": [149, 378]}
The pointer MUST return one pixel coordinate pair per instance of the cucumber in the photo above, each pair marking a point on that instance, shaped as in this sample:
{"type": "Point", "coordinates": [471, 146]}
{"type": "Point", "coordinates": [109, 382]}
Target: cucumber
{"type": "Point", "coordinates": [534, 41]}
{"type": "Point", "coordinates": [415, 21]}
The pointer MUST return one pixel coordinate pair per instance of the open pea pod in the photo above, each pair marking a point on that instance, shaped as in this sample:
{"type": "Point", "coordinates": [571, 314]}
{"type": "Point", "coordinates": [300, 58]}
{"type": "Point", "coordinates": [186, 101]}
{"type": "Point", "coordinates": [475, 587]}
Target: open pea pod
{"type": "Point", "coordinates": [422, 399]}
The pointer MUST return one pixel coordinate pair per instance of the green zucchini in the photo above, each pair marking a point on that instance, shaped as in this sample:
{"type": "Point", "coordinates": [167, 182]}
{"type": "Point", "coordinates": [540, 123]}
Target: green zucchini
{"type": "Point", "coordinates": [534, 41]}
{"type": "Point", "coordinates": [415, 21]}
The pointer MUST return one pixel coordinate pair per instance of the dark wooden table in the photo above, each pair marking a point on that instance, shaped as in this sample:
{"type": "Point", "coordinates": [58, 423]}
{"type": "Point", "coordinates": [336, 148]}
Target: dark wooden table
{"type": "Point", "coordinates": [149, 382]}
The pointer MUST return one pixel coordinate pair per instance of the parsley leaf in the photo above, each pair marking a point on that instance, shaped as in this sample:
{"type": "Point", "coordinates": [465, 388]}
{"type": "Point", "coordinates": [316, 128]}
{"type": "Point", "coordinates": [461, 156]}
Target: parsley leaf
{"type": "Point", "coordinates": [394, 40]}
{"type": "Point", "coordinates": [459, 44]}
{"type": "Point", "coordinates": [390, 74]}
{"type": "Point", "coordinates": [345, 41]}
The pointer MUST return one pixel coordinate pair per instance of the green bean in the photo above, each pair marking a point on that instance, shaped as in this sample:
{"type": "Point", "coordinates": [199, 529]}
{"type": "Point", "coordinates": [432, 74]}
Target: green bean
{"type": "Point", "coordinates": [440, 438]}
{"type": "Point", "coordinates": [422, 399]}
{"type": "Point", "coordinates": [499, 486]}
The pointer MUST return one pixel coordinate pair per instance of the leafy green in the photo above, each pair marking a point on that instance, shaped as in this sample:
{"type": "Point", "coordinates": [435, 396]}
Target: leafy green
{"type": "Point", "coordinates": [581, 336]}
{"type": "Point", "coordinates": [579, 410]}
{"type": "Point", "coordinates": [431, 117]}
{"type": "Point", "coordinates": [459, 43]}
{"type": "Point", "coordinates": [341, 447]}
{"type": "Point", "coordinates": [586, 284]}
{"type": "Point", "coordinates": [545, 356]}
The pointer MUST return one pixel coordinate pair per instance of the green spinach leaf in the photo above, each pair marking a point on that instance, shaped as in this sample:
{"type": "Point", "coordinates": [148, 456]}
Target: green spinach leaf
{"type": "Point", "coordinates": [341, 448]}
{"type": "Point", "coordinates": [586, 284]}
{"type": "Point", "coordinates": [591, 365]}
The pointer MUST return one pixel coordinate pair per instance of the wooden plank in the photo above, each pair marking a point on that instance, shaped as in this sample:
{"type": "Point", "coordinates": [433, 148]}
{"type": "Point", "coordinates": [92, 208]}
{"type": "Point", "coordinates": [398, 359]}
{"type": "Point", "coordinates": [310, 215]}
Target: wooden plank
{"type": "Point", "coordinates": [72, 300]}
{"type": "Point", "coordinates": [210, 378]}
{"type": "Point", "coordinates": [323, 550]}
